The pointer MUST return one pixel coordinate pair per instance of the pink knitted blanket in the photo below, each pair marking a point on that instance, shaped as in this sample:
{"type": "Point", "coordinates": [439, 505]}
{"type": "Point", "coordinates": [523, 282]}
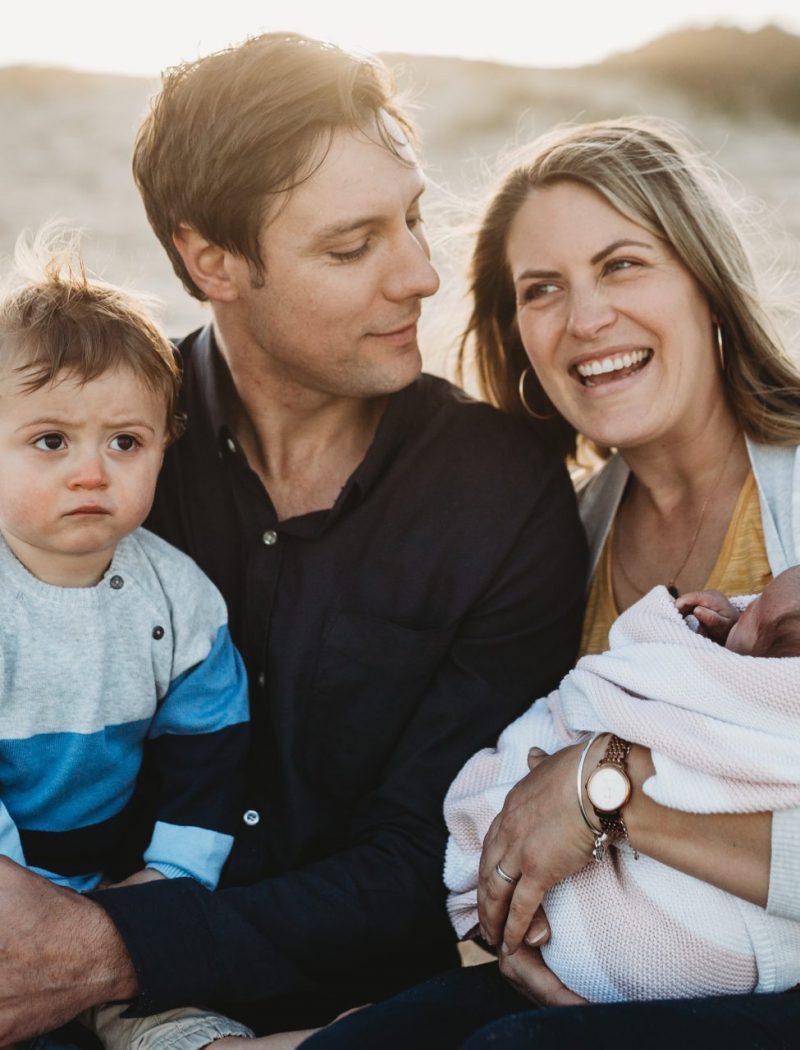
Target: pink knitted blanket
{"type": "Point", "coordinates": [724, 731]}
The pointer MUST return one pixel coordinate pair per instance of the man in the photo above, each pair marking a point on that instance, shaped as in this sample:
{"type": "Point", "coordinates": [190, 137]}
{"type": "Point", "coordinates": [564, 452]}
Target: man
{"type": "Point", "coordinates": [403, 567]}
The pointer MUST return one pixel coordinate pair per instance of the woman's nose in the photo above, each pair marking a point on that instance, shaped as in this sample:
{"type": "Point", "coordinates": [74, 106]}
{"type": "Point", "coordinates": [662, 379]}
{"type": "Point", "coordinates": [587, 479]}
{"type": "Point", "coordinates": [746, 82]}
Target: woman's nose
{"type": "Point", "coordinates": [590, 312]}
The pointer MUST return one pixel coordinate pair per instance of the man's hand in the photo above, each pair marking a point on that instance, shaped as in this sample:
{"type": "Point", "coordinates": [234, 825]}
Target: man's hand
{"type": "Point", "coordinates": [59, 953]}
{"type": "Point", "coordinates": [533, 979]}
{"type": "Point", "coordinates": [538, 839]}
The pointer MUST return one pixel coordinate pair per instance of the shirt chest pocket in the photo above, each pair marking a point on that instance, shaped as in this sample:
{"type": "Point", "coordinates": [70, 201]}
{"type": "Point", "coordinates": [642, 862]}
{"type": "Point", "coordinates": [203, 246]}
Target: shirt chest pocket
{"type": "Point", "coordinates": [371, 676]}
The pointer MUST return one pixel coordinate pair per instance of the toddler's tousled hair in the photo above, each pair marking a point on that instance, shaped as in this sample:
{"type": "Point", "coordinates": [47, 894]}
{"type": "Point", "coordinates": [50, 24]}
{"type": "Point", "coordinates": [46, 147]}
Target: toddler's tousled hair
{"type": "Point", "coordinates": [56, 321]}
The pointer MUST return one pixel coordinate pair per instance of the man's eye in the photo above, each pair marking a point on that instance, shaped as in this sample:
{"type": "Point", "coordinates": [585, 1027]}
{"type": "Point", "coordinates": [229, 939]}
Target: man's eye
{"type": "Point", "coordinates": [345, 257]}
{"type": "Point", "coordinates": [50, 442]}
{"type": "Point", "coordinates": [124, 443]}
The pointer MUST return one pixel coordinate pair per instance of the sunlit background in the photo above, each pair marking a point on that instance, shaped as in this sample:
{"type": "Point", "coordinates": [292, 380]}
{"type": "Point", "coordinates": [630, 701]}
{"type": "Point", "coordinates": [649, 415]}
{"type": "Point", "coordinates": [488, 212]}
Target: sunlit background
{"type": "Point", "coordinates": [141, 38]}
{"type": "Point", "coordinates": [709, 64]}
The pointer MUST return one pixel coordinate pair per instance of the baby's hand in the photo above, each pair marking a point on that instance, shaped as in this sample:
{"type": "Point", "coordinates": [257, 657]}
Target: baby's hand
{"type": "Point", "coordinates": [713, 611]}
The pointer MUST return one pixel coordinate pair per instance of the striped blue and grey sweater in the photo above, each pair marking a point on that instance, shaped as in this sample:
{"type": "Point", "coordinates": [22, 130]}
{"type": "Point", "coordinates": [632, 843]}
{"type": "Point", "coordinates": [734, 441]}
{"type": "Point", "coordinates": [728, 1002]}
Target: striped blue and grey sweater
{"type": "Point", "coordinates": [89, 678]}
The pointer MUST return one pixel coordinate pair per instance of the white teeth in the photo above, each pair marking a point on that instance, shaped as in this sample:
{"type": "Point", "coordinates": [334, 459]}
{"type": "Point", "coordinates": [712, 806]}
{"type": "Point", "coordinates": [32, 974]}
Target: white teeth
{"type": "Point", "coordinates": [612, 364]}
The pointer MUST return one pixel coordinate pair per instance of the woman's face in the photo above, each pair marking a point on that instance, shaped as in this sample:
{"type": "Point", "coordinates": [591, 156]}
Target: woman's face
{"type": "Point", "coordinates": [615, 326]}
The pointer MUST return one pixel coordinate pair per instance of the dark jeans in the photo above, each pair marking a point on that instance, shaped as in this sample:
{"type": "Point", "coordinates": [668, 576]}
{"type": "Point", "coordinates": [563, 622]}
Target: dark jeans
{"type": "Point", "coordinates": [475, 1009]}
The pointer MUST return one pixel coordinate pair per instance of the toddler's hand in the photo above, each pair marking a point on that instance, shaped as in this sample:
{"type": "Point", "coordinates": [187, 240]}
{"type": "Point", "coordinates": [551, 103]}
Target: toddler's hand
{"type": "Point", "coordinates": [138, 877]}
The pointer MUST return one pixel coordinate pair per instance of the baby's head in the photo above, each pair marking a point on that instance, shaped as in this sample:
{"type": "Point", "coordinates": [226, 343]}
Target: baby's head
{"type": "Point", "coordinates": [88, 402]}
{"type": "Point", "coordinates": [770, 625]}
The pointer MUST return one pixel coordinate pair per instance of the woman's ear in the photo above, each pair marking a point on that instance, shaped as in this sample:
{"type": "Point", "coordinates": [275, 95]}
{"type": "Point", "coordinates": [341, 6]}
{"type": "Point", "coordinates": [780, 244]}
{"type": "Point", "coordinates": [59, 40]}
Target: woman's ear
{"type": "Point", "coordinates": [208, 265]}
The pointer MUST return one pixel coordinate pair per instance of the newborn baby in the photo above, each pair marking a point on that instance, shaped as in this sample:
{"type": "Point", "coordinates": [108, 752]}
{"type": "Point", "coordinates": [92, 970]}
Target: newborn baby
{"type": "Point", "coordinates": [718, 707]}
{"type": "Point", "coordinates": [769, 625]}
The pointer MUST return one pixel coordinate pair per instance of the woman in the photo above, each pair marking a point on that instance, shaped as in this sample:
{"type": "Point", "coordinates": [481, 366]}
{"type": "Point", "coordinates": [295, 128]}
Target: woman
{"type": "Point", "coordinates": [614, 303]}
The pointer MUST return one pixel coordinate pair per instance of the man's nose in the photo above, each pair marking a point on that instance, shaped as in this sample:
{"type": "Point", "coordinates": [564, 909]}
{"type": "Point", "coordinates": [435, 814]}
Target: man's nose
{"type": "Point", "coordinates": [412, 274]}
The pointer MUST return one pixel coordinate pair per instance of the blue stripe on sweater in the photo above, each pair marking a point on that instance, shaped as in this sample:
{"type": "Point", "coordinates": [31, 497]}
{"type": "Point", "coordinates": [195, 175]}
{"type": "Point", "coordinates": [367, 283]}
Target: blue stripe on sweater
{"type": "Point", "coordinates": [61, 781]}
{"type": "Point", "coordinates": [209, 696]}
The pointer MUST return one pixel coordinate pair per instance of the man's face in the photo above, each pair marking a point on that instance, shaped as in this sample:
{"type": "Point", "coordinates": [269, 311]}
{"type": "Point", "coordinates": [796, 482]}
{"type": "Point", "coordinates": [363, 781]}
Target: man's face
{"type": "Point", "coordinates": [346, 266]}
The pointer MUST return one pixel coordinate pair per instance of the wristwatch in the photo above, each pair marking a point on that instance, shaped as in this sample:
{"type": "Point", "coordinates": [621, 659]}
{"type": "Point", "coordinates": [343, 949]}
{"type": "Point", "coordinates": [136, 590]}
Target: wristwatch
{"type": "Point", "coordinates": [609, 788]}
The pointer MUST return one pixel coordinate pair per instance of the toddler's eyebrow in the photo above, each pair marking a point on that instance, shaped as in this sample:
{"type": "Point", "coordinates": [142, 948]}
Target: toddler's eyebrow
{"type": "Point", "coordinates": [48, 422]}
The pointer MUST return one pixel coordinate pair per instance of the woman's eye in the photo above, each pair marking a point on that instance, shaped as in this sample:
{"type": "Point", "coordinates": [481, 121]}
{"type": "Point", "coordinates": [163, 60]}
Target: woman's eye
{"type": "Point", "coordinates": [537, 291]}
{"type": "Point", "coordinates": [50, 442]}
{"type": "Point", "coordinates": [617, 265]}
{"type": "Point", "coordinates": [124, 443]}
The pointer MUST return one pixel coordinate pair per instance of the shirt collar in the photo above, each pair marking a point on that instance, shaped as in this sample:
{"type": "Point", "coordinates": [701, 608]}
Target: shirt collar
{"type": "Point", "coordinates": [398, 420]}
{"type": "Point", "coordinates": [209, 371]}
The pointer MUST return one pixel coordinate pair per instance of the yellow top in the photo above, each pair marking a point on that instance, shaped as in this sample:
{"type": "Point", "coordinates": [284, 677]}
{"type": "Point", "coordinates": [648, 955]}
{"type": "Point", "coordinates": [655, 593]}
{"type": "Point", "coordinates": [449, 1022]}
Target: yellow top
{"type": "Point", "coordinates": [740, 568]}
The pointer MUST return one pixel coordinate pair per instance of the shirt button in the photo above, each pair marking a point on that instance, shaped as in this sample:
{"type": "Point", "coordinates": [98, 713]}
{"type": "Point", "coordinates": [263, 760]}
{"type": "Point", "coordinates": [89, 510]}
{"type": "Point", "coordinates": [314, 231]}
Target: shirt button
{"type": "Point", "coordinates": [158, 633]}
{"type": "Point", "coordinates": [262, 679]}
{"type": "Point", "coordinates": [269, 538]}
{"type": "Point", "coordinates": [251, 817]}
{"type": "Point", "coordinates": [231, 444]}
{"type": "Point", "coordinates": [116, 582]}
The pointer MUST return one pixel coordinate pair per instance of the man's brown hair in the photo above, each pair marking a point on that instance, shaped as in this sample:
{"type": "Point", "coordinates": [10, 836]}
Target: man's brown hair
{"type": "Point", "coordinates": [55, 321]}
{"type": "Point", "coordinates": [229, 133]}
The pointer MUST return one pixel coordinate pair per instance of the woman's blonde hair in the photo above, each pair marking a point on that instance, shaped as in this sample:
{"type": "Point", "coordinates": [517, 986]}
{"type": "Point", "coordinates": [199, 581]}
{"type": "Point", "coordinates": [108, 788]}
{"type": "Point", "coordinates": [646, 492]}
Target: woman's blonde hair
{"type": "Point", "coordinates": [55, 321]}
{"type": "Point", "coordinates": [648, 173]}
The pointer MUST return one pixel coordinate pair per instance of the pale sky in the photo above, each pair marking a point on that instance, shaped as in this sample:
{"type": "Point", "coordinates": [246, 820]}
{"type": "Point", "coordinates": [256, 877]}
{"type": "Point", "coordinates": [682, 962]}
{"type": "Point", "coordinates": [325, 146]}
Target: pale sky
{"type": "Point", "coordinates": [143, 36]}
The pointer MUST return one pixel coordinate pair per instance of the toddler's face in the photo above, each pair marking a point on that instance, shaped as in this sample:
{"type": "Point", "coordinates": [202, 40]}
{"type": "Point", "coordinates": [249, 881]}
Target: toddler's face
{"type": "Point", "coordinates": [78, 468]}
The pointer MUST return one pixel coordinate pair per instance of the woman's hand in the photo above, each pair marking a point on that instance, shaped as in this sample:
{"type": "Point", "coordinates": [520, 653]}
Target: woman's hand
{"type": "Point", "coordinates": [527, 972]}
{"type": "Point", "coordinates": [538, 839]}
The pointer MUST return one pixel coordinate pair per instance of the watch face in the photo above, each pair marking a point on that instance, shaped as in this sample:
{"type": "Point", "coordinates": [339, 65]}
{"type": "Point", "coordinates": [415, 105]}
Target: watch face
{"type": "Point", "coordinates": [608, 788]}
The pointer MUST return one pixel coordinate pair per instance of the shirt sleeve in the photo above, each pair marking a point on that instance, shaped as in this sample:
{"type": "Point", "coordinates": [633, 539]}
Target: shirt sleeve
{"type": "Point", "coordinates": [784, 884]}
{"type": "Point", "coordinates": [379, 896]}
{"type": "Point", "coordinates": [10, 844]}
{"type": "Point", "coordinates": [198, 739]}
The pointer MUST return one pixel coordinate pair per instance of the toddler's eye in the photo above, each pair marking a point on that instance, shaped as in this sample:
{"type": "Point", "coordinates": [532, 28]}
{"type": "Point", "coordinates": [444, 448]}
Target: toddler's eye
{"type": "Point", "coordinates": [50, 442]}
{"type": "Point", "coordinates": [124, 442]}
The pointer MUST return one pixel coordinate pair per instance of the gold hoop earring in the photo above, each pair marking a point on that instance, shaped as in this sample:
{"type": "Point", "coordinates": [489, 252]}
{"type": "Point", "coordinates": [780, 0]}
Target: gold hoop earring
{"type": "Point", "coordinates": [720, 346]}
{"type": "Point", "coordinates": [525, 405]}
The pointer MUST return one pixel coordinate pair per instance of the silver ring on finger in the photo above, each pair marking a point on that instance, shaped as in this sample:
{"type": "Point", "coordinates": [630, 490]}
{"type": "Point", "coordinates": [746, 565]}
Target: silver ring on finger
{"type": "Point", "coordinates": [505, 876]}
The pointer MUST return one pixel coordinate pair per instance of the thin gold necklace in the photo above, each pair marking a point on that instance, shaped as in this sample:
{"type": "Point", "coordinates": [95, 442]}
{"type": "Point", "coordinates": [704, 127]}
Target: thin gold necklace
{"type": "Point", "coordinates": [671, 587]}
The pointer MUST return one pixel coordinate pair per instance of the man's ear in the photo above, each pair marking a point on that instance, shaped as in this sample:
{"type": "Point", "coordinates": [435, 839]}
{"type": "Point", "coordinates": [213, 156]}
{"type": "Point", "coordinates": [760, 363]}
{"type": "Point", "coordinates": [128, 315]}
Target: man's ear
{"type": "Point", "coordinates": [209, 266]}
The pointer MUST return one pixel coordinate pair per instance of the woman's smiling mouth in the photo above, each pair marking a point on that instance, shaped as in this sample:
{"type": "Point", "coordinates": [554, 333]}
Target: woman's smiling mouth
{"type": "Point", "coordinates": [612, 367]}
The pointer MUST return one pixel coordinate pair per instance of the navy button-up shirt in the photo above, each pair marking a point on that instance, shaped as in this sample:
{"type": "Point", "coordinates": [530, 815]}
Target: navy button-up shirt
{"type": "Point", "coordinates": [386, 639]}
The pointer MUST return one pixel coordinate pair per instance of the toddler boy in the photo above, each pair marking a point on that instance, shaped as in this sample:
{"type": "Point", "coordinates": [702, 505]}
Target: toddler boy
{"type": "Point", "coordinates": [112, 640]}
